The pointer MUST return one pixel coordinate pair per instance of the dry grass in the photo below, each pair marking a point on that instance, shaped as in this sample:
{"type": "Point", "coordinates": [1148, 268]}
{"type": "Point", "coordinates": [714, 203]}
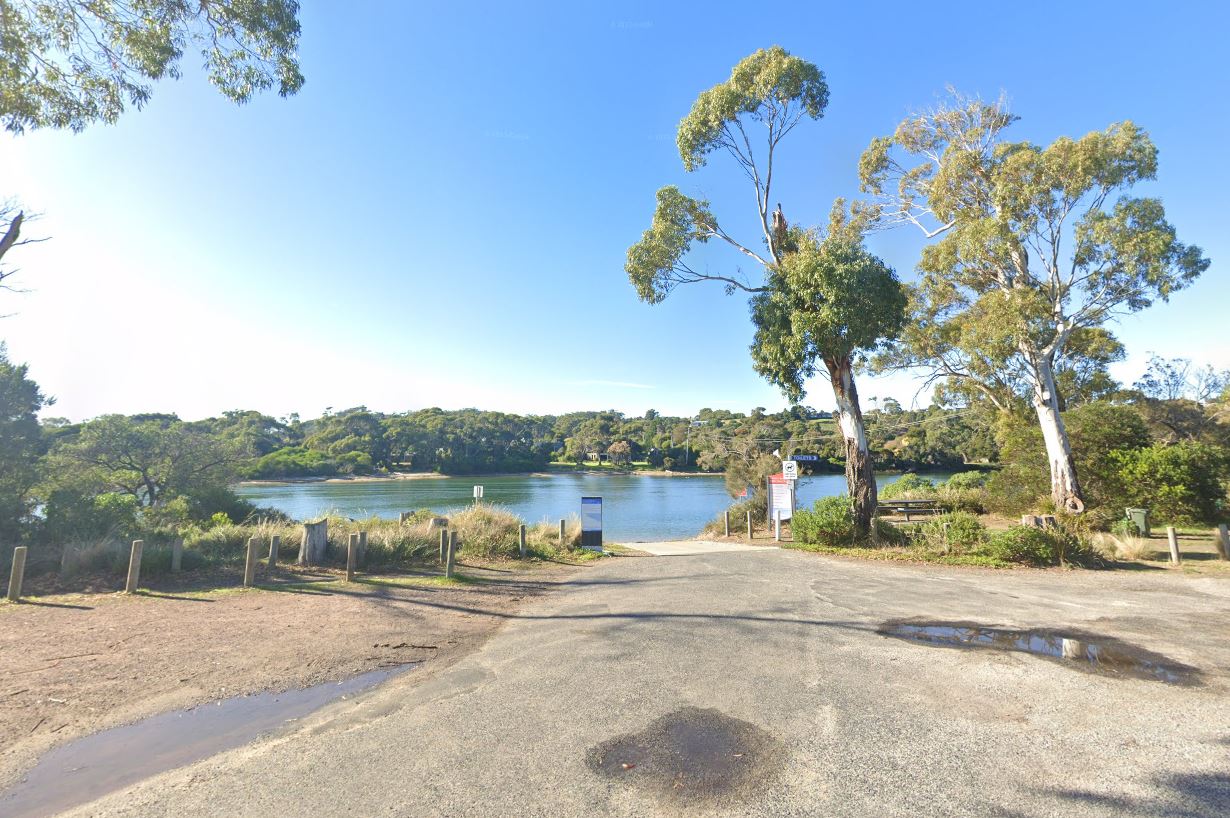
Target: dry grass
{"type": "Point", "coordinates": [1125, 547]}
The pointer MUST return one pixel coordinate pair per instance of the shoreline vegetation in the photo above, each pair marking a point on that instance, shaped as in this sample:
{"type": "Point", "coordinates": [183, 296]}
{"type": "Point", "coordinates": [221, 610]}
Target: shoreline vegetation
{"type": "Point", "coordinates": [555, 472]}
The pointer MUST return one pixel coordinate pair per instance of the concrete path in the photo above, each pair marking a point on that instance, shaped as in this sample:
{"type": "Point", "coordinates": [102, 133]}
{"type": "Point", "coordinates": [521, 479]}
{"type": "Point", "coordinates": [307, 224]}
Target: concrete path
{"type": "Point", "coordinates": [767, 667]}
{"type": "Point", "coordinates": [687, 548]}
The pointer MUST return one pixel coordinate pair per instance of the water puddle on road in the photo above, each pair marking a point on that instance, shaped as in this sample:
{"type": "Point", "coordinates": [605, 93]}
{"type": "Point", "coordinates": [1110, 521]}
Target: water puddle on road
{"type": "Point", "coordinates": [1096, 654]}
{"type": "Point", "coordinates": [690, 755]}
{"type": "Point", "coordinates": [90, 767]}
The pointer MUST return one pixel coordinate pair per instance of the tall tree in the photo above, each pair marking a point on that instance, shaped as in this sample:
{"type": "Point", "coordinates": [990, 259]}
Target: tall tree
{"type": "Point", "coordinates": [69, 63]}
{"type": "Point", "coordinates": [1035, 246]}
{"type": "Point", "coordinates": [829, 301]}
{"type": "Point", "coordinates": [20, 444]}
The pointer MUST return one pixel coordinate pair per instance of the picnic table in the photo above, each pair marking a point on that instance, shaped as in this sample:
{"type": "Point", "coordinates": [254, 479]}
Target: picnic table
{"type": "Point", "coordinates": [908, 507]}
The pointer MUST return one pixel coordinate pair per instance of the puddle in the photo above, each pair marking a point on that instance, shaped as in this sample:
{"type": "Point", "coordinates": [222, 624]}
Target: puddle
{"type": "Point", "coordinates": [1103, 655]}
{"type": "Point", "coordinates": [90, 767]}
{"type": "Point", "coordinates": [691, 754]}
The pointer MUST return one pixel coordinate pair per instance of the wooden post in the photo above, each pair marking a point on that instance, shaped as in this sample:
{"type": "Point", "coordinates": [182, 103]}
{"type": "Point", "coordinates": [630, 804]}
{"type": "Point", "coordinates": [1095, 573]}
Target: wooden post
{"type": "Point", "coordinates": [946, 527]}
{"type": "Point", "coordinates": [18, 574]}
{"type": "Point", "coordinates": [275, 545]}
{"type": "Point", "coordinates": [1223, 542]}
{"type": "Point", "coordinates": [777, 525]}
{"type": "Point", "coordinates": [352, 551]}
{"type": "Point", "coordinates": [521, 539]}
{"type": "Point", "coordinates": [362, 548]}
{"type": "Point", "coordinates": [1173, 539]}
{"type": "Point", "coordinates": [134, 567]}
{"type": "Point", "coordinates": [561, 533]}
{"type": "Point", "coordinates": [315, 542]}
{"type": "Point", "coordinates": [249, 566]}
{"type": "Point", "coordinates": [450, 557]}
{"type": "Point", "coordinates": [726, 519]}
{"type": "Point", "coordinates": [177, 554]}
{"type": "Point", "coordinates": [443, 544]}
{"type": "Point", "coordinates": [749, 525]}
{"type": "Point", "coordinates": [405, 515]}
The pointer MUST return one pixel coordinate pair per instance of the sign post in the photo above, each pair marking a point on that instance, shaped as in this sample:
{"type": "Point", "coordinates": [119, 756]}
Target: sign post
{"type": "Point", "coordinates": [790, 470]}
{"type": "Point", "coordinates": [591, 523]}
{"type": "Point", "coordinates": [781, 497]}
{"type": "Point", "coordinates": [478, 494]}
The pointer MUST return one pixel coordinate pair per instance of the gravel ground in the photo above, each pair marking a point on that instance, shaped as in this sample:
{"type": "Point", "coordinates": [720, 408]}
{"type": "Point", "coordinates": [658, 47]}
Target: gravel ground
{"type": "Point", "coordinates": [776, 657]}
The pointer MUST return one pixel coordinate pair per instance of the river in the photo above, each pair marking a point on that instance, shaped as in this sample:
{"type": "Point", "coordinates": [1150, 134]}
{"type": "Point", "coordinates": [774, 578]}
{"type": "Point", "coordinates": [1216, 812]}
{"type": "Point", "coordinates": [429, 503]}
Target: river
{"type": "Point", "coordinates": [635, 507]}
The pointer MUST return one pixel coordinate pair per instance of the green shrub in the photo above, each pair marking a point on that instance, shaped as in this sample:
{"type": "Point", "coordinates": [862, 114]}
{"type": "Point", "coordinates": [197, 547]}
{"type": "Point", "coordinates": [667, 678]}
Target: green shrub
{"type": "Point", "coordinates": [967, 480]}
{"type": "Point", "coordinates": [1041, 547]}
{"type": "Point", "coordinates": [1179, 483]}
{"type": "Point", "coordinates": [965, 533]}
{"type": "Point", "coordinates": [829, 522]}
{"type": "Point", "coordinates": [972, 501]}
{"type": "Point", "coordinates": [908, 487]}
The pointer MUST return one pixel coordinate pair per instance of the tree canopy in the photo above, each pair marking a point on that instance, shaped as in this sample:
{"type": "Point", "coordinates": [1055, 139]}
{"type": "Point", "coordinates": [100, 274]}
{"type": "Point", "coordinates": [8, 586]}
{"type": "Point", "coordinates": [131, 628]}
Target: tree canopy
{"type": "Point", "coordinates": [69, 63]}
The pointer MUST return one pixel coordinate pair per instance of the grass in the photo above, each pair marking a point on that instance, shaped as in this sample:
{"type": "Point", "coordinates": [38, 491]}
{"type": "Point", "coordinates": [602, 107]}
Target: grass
{"type": "Point", "coordinates": [903, 555]}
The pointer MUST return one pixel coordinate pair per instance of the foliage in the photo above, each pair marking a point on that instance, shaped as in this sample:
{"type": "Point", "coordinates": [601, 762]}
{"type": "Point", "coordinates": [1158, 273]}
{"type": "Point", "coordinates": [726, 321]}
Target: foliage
{"type": "Point", "coordinates": [1040, 547]}
{"type": "Point", "coordinates": [955, 532]}
{"type": "Point", "coordinates": [830, 521]}
{"type": "Point", "coordinates": [292, 461]}
{"type": "Point", "coordinates": [1182, 483]}
{"type": "Point", "coordinates": [967, 480]}
{"type": "Point", "coordinates": [827, 301]}
{"type": "Point", "coordinates": [1037, 248]}
{"type": "Point", "coordinates": [908, 487]}
{"type": "Point", "coordinates": [21, 443]}
{"type": "Point", "coordinates": [68, 63]}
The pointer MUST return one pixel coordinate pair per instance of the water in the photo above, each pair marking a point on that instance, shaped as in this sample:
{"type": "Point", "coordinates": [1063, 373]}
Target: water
{"type": "Point", "coordinates": [636, 508]}
{"type": "Point", "coordinates": [1097, 654]}
{"type": "Point", "coordinates": [89, 768]}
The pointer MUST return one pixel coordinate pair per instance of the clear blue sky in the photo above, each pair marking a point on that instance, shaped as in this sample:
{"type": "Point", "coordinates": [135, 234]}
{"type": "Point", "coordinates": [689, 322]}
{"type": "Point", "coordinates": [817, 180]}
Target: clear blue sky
{"type": "Point", "coordinates": [440, 217]}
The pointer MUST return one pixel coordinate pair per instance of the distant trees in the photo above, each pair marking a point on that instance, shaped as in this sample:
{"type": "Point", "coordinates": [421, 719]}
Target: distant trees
{"type": "Point", "coordinates": [1037, 248]}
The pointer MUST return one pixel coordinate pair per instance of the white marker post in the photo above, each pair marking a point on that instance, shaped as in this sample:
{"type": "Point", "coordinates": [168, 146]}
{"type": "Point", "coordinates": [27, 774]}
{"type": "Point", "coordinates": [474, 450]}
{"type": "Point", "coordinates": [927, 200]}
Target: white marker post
{"type": "Point", "coordinates": [478, 494]}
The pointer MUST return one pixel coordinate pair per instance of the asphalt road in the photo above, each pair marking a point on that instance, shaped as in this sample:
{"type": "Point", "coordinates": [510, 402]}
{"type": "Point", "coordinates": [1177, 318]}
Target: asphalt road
{"type": "Point", "coordinates": [754, 682]}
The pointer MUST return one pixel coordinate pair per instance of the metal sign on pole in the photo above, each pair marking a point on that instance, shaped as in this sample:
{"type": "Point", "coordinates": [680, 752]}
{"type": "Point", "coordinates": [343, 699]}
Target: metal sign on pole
{"type": "Point", "coordinates": [478, 493]}
{"type": "Point", "coordinates": [591, 523]}
{"type": "Point", "coordinates": [781, 496]}
{"type": "Point", "coordinates": [790, 470]}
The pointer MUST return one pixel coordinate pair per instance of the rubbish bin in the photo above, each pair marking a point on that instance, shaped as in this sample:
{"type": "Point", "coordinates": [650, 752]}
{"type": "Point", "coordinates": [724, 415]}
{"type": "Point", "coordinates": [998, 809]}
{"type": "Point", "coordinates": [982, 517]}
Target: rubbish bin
{"type": "Point", "coordinates": [1140, 518]}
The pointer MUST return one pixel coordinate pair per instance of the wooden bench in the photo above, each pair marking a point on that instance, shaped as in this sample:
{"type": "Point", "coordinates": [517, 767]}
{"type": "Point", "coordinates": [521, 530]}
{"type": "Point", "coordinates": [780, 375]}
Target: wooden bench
{"type": "Point", "coordinates": [908, 507]}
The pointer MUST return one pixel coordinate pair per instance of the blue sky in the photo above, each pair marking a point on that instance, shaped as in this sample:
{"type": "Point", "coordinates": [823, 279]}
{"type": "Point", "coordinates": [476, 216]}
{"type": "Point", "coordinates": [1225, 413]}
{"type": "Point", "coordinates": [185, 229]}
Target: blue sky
{"type": "Point", "coordinates": [440, 217]}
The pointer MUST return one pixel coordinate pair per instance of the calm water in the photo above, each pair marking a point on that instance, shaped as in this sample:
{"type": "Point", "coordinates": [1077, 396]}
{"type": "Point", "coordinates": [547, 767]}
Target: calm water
{"type": "Point", "coordinates": [635, 508]}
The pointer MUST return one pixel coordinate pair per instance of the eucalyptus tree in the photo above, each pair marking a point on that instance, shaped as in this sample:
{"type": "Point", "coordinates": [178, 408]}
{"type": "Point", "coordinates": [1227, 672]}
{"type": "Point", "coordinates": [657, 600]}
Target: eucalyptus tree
{"type": "Point", "coordinates": [1036, 249]}
{"type": "Point", "coordinates": [829, 301]}
{"type": "Point", "coordinates": [69, 63]}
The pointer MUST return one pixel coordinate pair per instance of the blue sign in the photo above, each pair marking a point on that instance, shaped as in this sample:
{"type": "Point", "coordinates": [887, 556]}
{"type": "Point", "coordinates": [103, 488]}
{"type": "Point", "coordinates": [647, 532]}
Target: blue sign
{"type": "Point", "coordinates": [805, 458]}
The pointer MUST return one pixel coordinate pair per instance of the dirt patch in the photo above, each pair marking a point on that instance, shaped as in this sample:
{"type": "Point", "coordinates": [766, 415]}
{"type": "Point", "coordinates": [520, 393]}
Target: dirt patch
{"type": "Point", "coordinates": [691, 756]}
{"type": "Point", "coordinates": [1092, 653]}
{"type": "Point", "coordinates": [76, 664]}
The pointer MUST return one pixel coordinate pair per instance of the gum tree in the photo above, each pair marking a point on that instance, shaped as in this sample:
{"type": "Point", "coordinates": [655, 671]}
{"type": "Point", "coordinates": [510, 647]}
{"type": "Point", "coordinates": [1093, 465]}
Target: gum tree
{"type": "Point", "coordinates": [829, 301]}
{"type": "Point", "coordinates": [1035, 249]}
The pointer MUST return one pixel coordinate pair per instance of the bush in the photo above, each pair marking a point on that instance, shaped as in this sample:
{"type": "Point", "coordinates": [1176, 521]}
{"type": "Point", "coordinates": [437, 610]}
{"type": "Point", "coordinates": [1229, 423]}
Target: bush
{"type": "Point", "coordinates": [967, 480]}
{"type": "Point", "coordinates": [908, 487]}
{"type": "Point", "coordinates": [1179, 483]}
{"type": "Point", "coordinates": [965, 534]}
{"type": "Point", "coordinates": [972, 501]}
{"type": "Point", "coordinates": [829, 522]}
{"type": "Point", "coordinates": [1039, 547]}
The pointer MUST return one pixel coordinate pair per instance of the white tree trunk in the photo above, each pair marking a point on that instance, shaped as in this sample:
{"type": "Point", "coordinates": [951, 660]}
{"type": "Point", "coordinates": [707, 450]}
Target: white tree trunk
{"type": "Point", "coordinates": [1065, 489]}
{"type": "Point", "coordinates": [860, 475]}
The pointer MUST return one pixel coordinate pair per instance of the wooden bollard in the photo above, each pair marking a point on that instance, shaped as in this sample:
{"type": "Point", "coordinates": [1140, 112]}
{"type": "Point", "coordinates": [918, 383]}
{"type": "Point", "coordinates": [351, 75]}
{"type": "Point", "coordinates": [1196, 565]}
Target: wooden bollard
{"type": "Point", "coordinates": [726, 519]}
{"type": "Point", "coordinates": [749, 525]}
{"type": "Point", "coordinates": [403, 517]}
{"type": "Point", "coordinates": [946, 527]}
{"type": "Point", "coordinates": [443, 544]}
{"type": "Point", "coordinates": [450, 556]}
{"type": "Point", "coordinates": [275, 545]}
{"type": "Point", "coordinates": [249, 566]}
{"type": "Point", "coordinates": [134, 567]}
{"type": "Point", "coordinates": [352, 551]}
{"type": "Point", "coordinates": [18, 574]}
{"type": "Point", "coordinates": [362, 559]}
{"type": "Point", "coordinates": [521, 539]}
{"type": "Point", "coordinates": [777, 526]}
{"type": "Point", "coordinates": [1223, 542]}
{"type": "Point", "coordinates": [177, 554]}
{"type": "Point", "coordinates": [561, 533]}
{"type": "Point", "coordinates": [1173, 539]}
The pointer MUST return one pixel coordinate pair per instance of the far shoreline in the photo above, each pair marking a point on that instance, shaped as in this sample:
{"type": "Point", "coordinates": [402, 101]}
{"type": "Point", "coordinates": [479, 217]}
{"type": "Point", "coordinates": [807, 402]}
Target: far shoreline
{"type": "Point", "coordinates": [427, 475]}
